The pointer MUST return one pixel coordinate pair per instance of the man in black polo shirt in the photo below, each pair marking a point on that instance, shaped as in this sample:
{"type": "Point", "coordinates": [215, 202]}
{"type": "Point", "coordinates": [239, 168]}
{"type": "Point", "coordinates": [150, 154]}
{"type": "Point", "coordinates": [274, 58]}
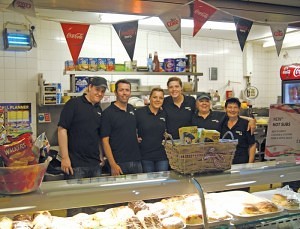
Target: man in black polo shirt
{"type": "Point", "coordinates": [118, 132]}
{"type": "Point", "coordinates": [79, 132]}
{"type": "Point", "coordinates": [179, 107]}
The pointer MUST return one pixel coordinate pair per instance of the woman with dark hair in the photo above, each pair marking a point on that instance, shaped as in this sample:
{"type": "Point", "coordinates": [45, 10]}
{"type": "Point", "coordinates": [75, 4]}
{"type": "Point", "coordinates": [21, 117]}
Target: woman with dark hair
{"type": "Point", "coordinates": [151, 126]}
{"type": "Point", "coordinates": [245, 150]}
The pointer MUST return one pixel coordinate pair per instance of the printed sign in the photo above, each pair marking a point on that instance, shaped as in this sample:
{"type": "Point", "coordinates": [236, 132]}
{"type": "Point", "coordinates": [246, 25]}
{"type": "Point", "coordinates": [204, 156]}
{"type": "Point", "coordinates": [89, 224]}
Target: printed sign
{"type": "Point", "coordinates": [243, 28]}
{"type": "Point", "coordinates": [23, 7]}
{"type": "Point", "coordinates": [283, 138]}
{"type": "Point", "coordinates": [172, 21]}
{"type": "Point", "coordinates": [278, 32]}
{"type": "Point", "coordinates": [75, 35]}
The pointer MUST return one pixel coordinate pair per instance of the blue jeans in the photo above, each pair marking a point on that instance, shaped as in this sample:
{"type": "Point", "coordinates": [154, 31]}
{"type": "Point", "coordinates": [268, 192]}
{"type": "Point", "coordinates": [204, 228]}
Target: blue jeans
{"type": "Point", "coordinates": [155, 166]}
{"type": "Point", "coordinates": [131, 167]}
{"type": "Point", "coordinates": [85, 172]}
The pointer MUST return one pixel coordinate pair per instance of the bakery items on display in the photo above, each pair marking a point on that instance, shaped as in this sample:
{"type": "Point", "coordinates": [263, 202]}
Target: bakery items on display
{"type": "Point", "coordinates": [152, 221]}
{"type": "Point", "coordinates": [22, 217]}
{"type": "Point", "coordinates": [172, 222]}
{"type": "Point", "coordinates": [22, 225]}
{"type": "Point", "coordinates": [250, 209]}
{"type": "Point", "coordinates": [134, 223]}
{"type": "Point", "coordinates": [160, 209]}
{"type": "Point", "coordinates": [42, 222]}
{"type": "Point", "coordinates": [6, 223]}
{"type": "Point", "coordinates": [138, 206]}
{"type": "Point", "coordinates": [267, 207]}
{"type": "Point", "coordinates": [285, 201]}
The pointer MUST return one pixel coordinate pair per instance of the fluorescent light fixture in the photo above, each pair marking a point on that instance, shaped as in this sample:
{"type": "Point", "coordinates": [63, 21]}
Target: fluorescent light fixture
{"type": "Point", "coordinates": [132, 182]}
{"type": "Point", "coordinates": [17, 40]}
{"type": "Point", "coordinates": [155, 21]}
{"type": "Point", "coordinates": [241, 183]}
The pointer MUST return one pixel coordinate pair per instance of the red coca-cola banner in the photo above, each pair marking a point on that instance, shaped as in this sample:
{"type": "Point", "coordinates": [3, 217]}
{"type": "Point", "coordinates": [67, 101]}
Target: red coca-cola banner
{"type": "Point", "coordinates": [290, 72]}
{"type": "Point", "coordinates": [202, 12]}
{"type": "Point", "coordinates": [75, 35]}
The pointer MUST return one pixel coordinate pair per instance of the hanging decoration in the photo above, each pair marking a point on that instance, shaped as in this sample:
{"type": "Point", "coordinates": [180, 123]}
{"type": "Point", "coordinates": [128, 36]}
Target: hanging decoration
{"type": "Point", "coordinates": [202, 12]}
{"type": "Point", "coordinates": [75, 35]}
{"type": "Point", "coordinates": [278, 32]}
{"type": "Point", "coordinates": [127, 32]}
{"type": "Point", "coordinates": [23, 6]}
{"type": "Point", "coordinates": [243, 27]}
{"type": "Point", "coordinates": [172, 21]}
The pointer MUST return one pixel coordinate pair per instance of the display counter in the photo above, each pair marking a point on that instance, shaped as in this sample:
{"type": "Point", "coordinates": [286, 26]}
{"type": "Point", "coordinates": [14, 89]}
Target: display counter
{"type": "Point", "coordinates": [65, 194]}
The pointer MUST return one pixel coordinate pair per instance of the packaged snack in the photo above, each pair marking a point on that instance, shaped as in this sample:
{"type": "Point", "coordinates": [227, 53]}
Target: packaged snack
{"type": "Point", "coordinates": [209, 136]}
{"type": "Point", "coordinates": [188, 134]}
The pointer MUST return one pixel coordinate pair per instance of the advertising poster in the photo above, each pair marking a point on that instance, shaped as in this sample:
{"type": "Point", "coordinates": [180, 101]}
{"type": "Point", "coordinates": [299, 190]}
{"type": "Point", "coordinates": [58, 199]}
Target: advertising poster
{"type": "Point", "coordinates": [283, 136]}
{"type": "Point", "coordinates": [15, 118]}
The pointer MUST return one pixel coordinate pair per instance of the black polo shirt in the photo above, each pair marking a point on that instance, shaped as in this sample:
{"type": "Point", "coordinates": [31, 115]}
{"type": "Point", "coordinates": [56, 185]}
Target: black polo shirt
{"type": "Point", "coordinates": [151, 129]}
{"type": "Point", "coordinates": [82, 120]}
{"type": "Point", "coordinates": [120, 127]}
{"type": "Point", "coordinates": [245, 139]}
{"type": "Point", "coordinates": [179, 116]}
{"type": "Point", "coordinates": [211, 122]}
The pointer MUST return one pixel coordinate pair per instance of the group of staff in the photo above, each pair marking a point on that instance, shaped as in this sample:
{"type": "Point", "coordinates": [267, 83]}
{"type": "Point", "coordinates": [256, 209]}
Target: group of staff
{"type": "Point", "coordinates": [130, 138]}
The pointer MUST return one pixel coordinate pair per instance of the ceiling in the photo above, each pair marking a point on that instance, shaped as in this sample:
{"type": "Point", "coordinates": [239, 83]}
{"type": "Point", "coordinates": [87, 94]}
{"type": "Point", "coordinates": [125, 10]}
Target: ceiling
{"type": "Point", "coordinates": [262, 12]}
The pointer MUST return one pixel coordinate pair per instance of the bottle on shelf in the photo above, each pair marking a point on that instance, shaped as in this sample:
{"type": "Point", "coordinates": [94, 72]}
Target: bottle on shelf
{"type": "Point", "coordinates": [216, 97]}
{"type": "Point", "coordinates": [149, 62]}
{"type": "Point", "coordinates": [155, 63]}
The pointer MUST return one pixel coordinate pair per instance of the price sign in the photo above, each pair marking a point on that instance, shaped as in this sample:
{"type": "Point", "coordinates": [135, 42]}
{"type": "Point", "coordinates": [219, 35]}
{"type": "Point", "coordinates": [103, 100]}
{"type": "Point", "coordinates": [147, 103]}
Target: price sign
{"type": "Point", "coordinates": [283, 137]}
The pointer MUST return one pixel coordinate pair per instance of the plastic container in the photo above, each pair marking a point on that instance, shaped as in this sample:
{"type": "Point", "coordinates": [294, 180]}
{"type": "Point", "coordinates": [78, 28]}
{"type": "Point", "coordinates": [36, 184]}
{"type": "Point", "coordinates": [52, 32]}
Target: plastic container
{"type": "Point", "coordinates": [22, 179]}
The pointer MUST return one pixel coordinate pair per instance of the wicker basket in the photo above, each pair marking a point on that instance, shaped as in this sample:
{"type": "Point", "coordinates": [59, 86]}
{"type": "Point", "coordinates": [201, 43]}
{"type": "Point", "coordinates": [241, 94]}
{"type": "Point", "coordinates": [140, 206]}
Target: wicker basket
{"type": "Point", "coordinates": [200, 157]}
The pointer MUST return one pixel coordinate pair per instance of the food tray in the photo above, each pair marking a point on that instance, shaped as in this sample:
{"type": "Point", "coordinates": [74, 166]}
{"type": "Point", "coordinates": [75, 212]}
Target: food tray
{"type": "Point", "coordinates": [200, 157]}
{"type": "Point", "coordinates": [268, 195]}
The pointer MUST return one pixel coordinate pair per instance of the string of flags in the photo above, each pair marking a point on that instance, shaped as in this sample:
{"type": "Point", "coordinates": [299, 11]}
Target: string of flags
{"type": "Point", "coordinates": [127, 31]}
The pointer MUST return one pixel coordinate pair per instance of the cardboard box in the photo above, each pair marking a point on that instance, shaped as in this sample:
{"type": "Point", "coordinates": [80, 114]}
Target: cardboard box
{"type": "Point", "coordinates": [102, 62]}
{"type": "Point", "coordinates": [79, 83]}
{"type": "Point", "coordinates": [93, 64]}
{"type": "Point", "coordinates": [188, 134]}
{"type": "Point", "coordinates": [83, 64]}
{"type": "Point", "coordinates": [69, 65]}
{"type": "Point", "coordinates": [209, 136]}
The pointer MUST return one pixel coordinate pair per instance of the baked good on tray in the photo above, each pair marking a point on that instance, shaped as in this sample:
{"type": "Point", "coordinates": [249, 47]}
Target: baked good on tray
{"type": "Point", "coordinates": [284, 201]}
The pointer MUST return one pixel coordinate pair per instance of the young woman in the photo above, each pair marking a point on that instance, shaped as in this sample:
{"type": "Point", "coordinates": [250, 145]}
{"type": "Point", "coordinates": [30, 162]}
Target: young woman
{"type": "Point", "coordinates": [151, 125]}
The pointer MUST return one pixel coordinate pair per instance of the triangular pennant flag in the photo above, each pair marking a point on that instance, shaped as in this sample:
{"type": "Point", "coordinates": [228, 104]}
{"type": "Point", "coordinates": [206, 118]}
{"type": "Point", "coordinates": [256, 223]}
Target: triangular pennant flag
{"type": "Point", "coordinates": [278, 32]}
{"type": "Point", "coordinates": [127, 32]}
{"type": "Point", "coordinates": [243, 27]}
{"type": "Point", "coordinates": [75, 35]}
{"type": "Point", "coordinates": [22, 6]}
{"type": "Point", "coordinates": [172, 21]}
{"type": "Point", "coordinates": [202, 12]}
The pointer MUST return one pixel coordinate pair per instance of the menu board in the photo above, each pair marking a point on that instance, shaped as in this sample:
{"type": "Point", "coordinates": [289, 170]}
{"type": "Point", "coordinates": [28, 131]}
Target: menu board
{"type": "Point", "coordinates": [15, 118]}
{"type": "Point", "coordinates": [283, 136]}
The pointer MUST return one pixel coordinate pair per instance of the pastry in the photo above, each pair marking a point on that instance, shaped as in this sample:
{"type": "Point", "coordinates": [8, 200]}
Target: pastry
{"type": "Point", "coordinates": [250, 209]}
{"type": "Point", "coordinates": [172, 223]}
{"type": "Point", "coordinates": [6, 223]}
{"type": "Point", "coordinates": [22, 217]}
{"type": "Point", "coordinates": [22, 224]}
{"type": "Point", "coordinates": [137, 206]}
{"type": "Point", "coordinates": [42, 221]}
{"type": "Point", "coordinates": [266, 207]}
{"type": "Point", "coordinates": [120, 214]}
{"type": "Point", "coordinates": [45, 213]}
{"type": "Point", "coordinates": [194, 218]}
{"type": "Point", "coordinates": [160, 210]}
{"type": "Point", "coordinates": [278, 198]}
{"type": "Point", "coordinates": [152, 221]}
{"type": "Point", "coordinates": [134, 223]}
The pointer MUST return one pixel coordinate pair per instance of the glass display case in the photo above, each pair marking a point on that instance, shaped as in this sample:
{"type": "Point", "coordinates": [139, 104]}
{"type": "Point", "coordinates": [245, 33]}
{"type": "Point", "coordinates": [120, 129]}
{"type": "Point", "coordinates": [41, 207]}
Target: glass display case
{"type": "Point", "coordinates": [66, 194]}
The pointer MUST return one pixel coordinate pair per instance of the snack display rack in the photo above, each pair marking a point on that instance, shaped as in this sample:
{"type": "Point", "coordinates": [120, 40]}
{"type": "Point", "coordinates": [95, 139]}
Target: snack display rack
{"type": "Point", "coordinates": [55, 195]}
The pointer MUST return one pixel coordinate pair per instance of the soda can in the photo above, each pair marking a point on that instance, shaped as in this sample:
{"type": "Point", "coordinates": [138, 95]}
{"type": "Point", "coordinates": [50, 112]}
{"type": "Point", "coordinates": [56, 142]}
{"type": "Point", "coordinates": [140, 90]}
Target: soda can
{"type": "Point", "coordinates": [191, 63]}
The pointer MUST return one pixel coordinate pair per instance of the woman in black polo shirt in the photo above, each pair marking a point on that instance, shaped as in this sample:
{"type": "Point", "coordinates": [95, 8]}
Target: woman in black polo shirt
{"type": "Point", "coordinates": [245, 150]}
{"type": "Point", "coordinates": [151, 125]}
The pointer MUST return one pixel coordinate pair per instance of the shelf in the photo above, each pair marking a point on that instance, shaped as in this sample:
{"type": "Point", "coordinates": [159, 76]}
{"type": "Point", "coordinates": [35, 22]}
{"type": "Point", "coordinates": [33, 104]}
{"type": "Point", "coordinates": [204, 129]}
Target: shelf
{"type": "Point", "coordinates": [89, 73]}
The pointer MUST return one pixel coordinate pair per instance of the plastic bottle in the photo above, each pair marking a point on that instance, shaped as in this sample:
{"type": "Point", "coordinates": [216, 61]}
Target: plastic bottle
{"type": "Point", "coordinates": [216, 97]}
{"type": "Point", "coordinates": [155, 63]}
{"type": "Point", "coordinates": [149, 62]}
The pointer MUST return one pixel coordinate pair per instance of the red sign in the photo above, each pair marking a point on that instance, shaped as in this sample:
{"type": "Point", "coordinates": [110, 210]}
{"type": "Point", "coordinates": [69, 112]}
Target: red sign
{"type": "Point", "coordinates": [202, 13]}
{"type": "Point", "coordinates": [75, 35]}
{"type": "Point", "coordinates": [290, 72]}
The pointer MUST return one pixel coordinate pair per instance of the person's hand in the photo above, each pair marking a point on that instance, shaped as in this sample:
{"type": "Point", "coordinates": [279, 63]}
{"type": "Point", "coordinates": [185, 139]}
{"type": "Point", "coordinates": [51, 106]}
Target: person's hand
{"type": "Point", "coordinates": [102, 162]}
{"type": "Point", "coordinates": [66, 166]}
{"type": "Point", "coordinates": [251, 126]}
{"type": "Point", "coordinates": [115, 170]}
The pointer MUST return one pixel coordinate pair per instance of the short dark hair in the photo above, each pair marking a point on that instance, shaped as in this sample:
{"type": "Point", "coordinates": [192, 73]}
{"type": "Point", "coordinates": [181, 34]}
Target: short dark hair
{"type": "Point", "coordinates": [233, 100]}
{"type": "Point", "coordinates": [122, 81]}
{"type": "Point", "coordinates": [156, 89]}
{"type": "Point", "coordinates": [174, 78]}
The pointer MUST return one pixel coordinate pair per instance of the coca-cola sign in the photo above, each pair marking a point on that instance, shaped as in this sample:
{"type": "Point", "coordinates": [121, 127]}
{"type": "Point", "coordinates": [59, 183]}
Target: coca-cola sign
{"type": "Point", "coordinates": [23, 4]}
{"type": "Point", "coordinates": [173, 24]}
{"type": "Point", "coordinates": [79, 36]}
{"type": "Point", "coordinates": [278, 35]}
{"type": "Point", "coordinates": [290, 72]}
{"type": "Point", "coordinates": [75, 35]}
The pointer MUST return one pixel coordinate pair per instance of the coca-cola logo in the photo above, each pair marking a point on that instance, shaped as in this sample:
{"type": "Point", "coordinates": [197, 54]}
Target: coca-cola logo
{"type": "Point", "coordinates": [242, 28]}
{"type": "Point", "coordinates": [78, 36]}
{"type": "Point", "coordinates": [173, 24]}
{"type": "Point", "coordinates": [278, 35]}
{"type": "Point", "coordinates": [297, 72]}
{"type": "Point", "coordinates": [25, 4]}
{"type": "Point", "coordinates": [201, 14]}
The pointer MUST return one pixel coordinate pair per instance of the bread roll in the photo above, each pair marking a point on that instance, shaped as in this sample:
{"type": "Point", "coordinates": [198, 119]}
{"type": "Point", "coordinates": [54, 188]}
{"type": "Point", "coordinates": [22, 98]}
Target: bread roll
{"type": "Point", "coordinates": [278, 198]}
{"type": "Point", "coordinates": [267, 207]}
{"type": "Point", "coordinates": [250, 209]}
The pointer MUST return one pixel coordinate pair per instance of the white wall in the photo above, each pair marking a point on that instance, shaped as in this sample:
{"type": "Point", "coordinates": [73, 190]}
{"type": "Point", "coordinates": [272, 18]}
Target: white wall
{"type": "Point", "coordinates": [18, 70]}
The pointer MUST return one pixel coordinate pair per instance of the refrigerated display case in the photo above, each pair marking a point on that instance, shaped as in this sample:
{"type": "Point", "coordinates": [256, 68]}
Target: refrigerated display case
{"type": "Point", "coordinates": [290, 76]}
{"type": "Point", "coordinates": [54, 195]}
